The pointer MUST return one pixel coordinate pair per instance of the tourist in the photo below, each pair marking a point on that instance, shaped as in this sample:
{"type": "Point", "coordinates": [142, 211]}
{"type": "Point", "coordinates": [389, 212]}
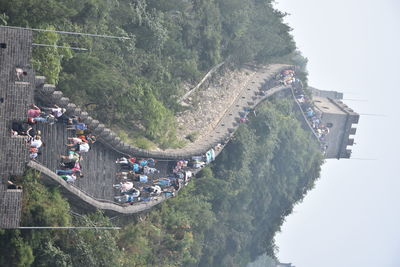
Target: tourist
{"type": "Point", "coordinates": [151, 162]}
{"type": "Point", "coordinates": [127, 163]}
{"type": "Point", "coordinates": [128, 198]}
{"type": "Point", "coordinates": [56, 111]}
{"type": "Point", "coordinates": [20, 73]}
{"type": "Point", "coordinates": [64, 118]}
{"type": "Point", "coordinates": [91, 139]}
{"type": "Point", "coordinates": [80, 148]}
{"type": "Point", "coordinates": [125, 175]}
{"type": "Point", "coordinates": [143, 178]}
{"type": "Point", "coordinates": [80, 127]}
{"type": "Point", "coordinates": [75, 171]}
{"type": "Point", "coordinates": [136, 168]}
{"type": "Point", "coordinates": [124, 186]}
{"type": "Point", "coordinates": [68, 165]}
{"type": "Point", "coordinates": [72, 157]}
{"type": "Point", "coordinates": [154, 190]}
{"type": "Point", "coordinates": [33, 153]}
{"type": "Point", "coordinates": [169, 192]}
{"type": "Point", "coordinates": [122, 161]}
{"type": "Point", "coordinates": [69, 178]}
{"type": "Point", "coordinates": [148, 170]}
{"type": "Point", "coordinates": [19, 128]}
{"type": "Point", "coordinates": [76, 140]}
{"type": "Point", "coordinates": [34, 112]}
{"type": "Point", "coordinates": [309, 112]}
{"type": "Point", "coordinates": [143, 163]}
{"type": "Point", "coordinates": [11, 185]}
{"type": "Point", "coordinates": [37, 142]}
{"type": "Point", "coordinates": [49, 119]}
{"type": "Point", "coordinates": [31, 133]}
{"type": "Point", "coordinates": [163, 182]}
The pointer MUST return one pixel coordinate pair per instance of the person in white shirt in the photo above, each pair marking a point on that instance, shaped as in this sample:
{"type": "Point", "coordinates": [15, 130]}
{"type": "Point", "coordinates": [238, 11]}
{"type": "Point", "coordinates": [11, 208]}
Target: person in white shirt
{"type": "Point", "coordinates": [83, 147]}
{"type": "Point", "coordinates": [124, 186]}
{"type": "Point", "coordinates": [56, 111]}
{"type": "Point", "coordinates": [69, 178]}
{"type": "Point", "coordinates": [36, 142]}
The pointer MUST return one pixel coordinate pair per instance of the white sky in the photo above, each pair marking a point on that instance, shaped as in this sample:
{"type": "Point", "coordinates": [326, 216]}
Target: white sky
{"type": "Point", "coordinates": [351, 218]}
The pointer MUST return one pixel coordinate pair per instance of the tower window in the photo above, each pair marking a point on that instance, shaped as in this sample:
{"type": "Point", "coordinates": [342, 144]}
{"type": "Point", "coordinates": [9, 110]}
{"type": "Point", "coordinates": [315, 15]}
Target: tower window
{"type": "Point", "coordinates": [3, 45]}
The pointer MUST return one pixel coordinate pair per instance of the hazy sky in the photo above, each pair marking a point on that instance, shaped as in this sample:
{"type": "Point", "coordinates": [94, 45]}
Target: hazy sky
{"type": "Point", "coordinates": [352, 216]}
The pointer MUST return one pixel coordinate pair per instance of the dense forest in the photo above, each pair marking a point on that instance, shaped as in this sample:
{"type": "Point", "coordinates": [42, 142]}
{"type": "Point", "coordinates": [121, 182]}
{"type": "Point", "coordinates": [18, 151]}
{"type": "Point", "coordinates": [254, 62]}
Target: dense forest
{"type": "Point", "coordinates": [133, 85]}
{"type": "Point", "coordinates": [227, 216]}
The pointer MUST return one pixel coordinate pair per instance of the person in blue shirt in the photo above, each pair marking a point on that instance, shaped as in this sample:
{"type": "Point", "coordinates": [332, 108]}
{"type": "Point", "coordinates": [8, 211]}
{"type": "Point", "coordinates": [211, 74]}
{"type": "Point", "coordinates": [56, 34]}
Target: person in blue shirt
{"type": "Point", "coordinates": [128, 198]}
{"type": "Point", "coordinates": [135, 167]}
{"type": "Point", "coordinates": [143, 163]}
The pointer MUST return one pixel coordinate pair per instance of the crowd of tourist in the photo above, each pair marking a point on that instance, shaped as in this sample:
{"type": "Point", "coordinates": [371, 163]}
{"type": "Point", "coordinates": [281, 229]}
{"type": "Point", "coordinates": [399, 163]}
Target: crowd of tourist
{"type": "Point", "coordinates": [286, 77]}
{"type": "Point", "coordinates": [70, 168]}
{"type": "Point", "coordinates": [25, 129]}
{"type": "Point", "coordinates": [70, 164]}
{"type": "Point", "coordinates": [139, 180]}
{"type": "Point", "coordinates": [313, 115]}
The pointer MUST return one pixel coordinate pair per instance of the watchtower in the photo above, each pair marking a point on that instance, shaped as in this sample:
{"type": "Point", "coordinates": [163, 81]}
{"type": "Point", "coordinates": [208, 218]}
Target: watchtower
{"type": "Point", "coordinates": [339, 118]}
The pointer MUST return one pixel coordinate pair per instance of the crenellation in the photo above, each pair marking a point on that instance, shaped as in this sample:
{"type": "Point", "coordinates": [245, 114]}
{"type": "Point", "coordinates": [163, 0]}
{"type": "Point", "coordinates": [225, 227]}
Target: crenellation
{"type": "Point", "coordinates": [56, 96]}
{"type": "Point", "coordinates": [39, 81]}
{"type": "Point", "coordinates": [350, 141]}
{"type": "Point", "coordinates": [63, 102]}
{"type": "Point", "coordinates": [48, 88]}
{"type": "Point", "coordinates": [71, 108]}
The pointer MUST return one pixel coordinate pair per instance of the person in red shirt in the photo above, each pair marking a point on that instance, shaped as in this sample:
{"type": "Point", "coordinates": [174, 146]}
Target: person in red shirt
{"type": "Point", "coordinates": [34, 112]}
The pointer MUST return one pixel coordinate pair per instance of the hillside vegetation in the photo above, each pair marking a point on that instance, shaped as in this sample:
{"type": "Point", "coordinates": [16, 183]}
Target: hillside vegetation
{"type": "Point", "coordinates": [227, 216]}
{"type": "Point", "coordinates": [133, 85]}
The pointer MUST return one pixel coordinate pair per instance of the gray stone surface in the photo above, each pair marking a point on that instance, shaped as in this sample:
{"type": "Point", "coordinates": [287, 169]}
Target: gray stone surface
{"type": "Point", "coordinates": [10, 207]}
{"type": "Point", "coordinates": [16, 95]}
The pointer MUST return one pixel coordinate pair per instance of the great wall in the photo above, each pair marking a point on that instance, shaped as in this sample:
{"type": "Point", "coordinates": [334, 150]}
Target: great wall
{"type": "Point", "coordinates": [95, 191]}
